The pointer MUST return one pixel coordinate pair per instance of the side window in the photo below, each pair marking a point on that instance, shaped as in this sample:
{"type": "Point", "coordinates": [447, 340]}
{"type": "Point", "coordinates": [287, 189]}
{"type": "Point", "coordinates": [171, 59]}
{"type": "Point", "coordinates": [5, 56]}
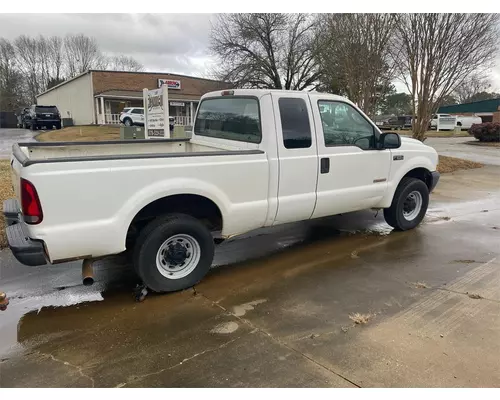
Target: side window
{"type": "Point", "coordinates": [295, 123]}
{"type": "Point", "coordinates": [343, 125]}
{"type": "Point", "coordinates": [137, 111]}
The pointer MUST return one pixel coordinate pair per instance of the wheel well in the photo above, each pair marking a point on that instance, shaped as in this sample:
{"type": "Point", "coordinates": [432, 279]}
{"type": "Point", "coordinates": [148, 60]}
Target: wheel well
{"type": "Point", "coordinates": [421, 173]}
{"type": "Point", "coordinates": [197, 206]}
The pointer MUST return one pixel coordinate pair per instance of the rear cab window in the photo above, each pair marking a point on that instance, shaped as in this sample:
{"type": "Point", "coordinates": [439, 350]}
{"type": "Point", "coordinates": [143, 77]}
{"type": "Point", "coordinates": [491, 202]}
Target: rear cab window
{"type": "Point", "coordinates": [231, 118]}
{"type": "Point", "coordinates": [46, 109]}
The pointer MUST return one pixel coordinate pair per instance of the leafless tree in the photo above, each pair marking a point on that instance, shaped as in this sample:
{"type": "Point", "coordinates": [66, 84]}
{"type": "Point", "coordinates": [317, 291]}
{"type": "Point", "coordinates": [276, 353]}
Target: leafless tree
{"type": "Point", "coordinates": [266, 50]}
{"type": "Point", "coordinates": [354, 55]}
{"type": "Point", "coordinates": [124, 63]}
{"type": "Point", "coordinates": [435, 53]}
{"type": "Point", "coordinates": [476, 83]}
{"type": "Point", "coordinates": [82, 53]}
{"type": "Point", "coordinates": [12, 93]}
{"type": "Point", "coordinates": [55, 44]}
{"type": "Point", "coordinates": [28, 61]}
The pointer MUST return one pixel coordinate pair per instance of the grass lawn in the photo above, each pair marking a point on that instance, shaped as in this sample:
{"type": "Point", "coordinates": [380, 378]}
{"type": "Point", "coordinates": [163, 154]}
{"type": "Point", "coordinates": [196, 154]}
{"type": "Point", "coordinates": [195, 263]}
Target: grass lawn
{"type": "Point", "coordinates": [433, 133]}
{"type": "Point", "coordinates": [88, 133]}
{"type": "Point", "coordinates": [446, 165]}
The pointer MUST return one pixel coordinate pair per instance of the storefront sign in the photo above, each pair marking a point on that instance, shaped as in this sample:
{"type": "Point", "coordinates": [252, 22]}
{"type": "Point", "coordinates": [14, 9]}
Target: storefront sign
{"type": "Point", "coordinates": [169, 83]}
{"type": "Point", "coordinates": [177, 104]}
{"type": "Point", "coordinates": [156, 113]}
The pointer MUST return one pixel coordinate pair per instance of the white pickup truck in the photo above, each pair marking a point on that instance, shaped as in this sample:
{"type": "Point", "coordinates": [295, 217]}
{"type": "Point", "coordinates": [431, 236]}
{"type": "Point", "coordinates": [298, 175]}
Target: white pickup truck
{"type": "Point", "coordinates": [256, 158]}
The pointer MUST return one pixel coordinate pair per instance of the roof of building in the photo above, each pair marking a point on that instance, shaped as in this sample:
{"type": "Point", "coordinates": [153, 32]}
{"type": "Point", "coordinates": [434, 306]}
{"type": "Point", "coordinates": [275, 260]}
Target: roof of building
{"type": "Point", "coordinates": [133, 94]}
{"type": "Point", "coordinates": [129, 72]}
{"type": "Point", "coordinates": [483, 106]}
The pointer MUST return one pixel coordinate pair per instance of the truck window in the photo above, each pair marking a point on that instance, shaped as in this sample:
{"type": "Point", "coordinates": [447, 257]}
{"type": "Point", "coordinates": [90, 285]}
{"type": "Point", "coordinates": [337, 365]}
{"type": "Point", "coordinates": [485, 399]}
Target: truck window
{"type": "Point", "coordinates": [46, 109]}
{"type": "Point", "coordinates": [343, 125]}
{"type": "Point", "coordinates": [232, 118]}
{"type": "Point", "coordinates": [295, 123]}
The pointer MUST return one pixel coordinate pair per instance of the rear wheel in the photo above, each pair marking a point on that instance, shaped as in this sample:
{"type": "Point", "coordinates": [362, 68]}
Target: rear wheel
{"type": "Point", "coordinates": [34, 127]}
{"type": "Point", "coordinates": [58, 125]}
{"type": "Point", "coordinates": [409, 204]}
{"type": "Point", "coordinates": [173, 252]}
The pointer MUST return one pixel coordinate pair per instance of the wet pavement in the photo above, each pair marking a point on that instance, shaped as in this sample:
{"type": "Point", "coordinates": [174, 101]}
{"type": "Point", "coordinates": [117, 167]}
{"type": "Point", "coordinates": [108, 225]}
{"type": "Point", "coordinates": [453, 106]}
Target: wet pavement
{"type": "Point", "coordinates": [10, 136]}
{"type": "Point", "coordinates": [458, 147]}
{"type": "Point", "coordinates": [275, 310]}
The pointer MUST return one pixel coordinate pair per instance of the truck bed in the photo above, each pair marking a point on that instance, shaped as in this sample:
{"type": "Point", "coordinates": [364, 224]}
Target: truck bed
{"type": "Point", "coordinates": [49, 152]}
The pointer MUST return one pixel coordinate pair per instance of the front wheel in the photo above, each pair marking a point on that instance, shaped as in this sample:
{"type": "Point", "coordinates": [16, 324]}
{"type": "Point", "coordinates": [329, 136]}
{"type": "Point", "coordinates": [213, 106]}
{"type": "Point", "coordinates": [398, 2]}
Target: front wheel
{"type": "Point", "coordinates": [173, 252]}
{"type": "Point", "coordinates": [127, 122]}
{"type": "Point", "coordinates": [409, 204]}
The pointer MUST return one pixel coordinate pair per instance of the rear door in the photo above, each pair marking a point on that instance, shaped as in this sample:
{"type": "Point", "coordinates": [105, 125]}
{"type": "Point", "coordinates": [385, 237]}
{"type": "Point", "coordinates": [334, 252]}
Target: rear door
{"type": "Point", "coordinates": [137, 115]}
{"type": "Point", "coordinates": [298, 160]}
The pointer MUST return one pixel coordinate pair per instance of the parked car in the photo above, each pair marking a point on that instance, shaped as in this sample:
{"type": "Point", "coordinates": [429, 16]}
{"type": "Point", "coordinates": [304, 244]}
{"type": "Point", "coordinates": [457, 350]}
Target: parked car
{"type": "Point", "coordinates": [43, 116]}
{"type": "Point", "coordinates": [131, 116]}
{"type": "Point", "coordinates": [21, 117]}
{"type": "Point", "coordinates": [462, 121]}
{"type": "Point", "coordinates": [253, 161]}
{"type": "Point", "coordinates": [399, 122]}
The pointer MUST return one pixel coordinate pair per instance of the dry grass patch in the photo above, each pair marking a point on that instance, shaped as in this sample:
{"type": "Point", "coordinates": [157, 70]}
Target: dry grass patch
{"type": "Point", "coordinates": [361, 319]}
{"type": "Point", "coordinates": [6, 192]}
{"type": "Point", "coordinates": [90, 133]}
{"type": "Point", "coordinates": [451, 164]}
{"type": "Point", "coordinates": [485, 144]}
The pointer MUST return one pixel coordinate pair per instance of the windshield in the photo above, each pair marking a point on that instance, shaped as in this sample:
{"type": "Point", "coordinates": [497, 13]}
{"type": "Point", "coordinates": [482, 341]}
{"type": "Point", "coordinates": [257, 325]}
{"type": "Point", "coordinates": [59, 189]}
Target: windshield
{"type": "Point", "coordinates": [232, 118]}
{"type": "Point", "coordinates": [46, 109]}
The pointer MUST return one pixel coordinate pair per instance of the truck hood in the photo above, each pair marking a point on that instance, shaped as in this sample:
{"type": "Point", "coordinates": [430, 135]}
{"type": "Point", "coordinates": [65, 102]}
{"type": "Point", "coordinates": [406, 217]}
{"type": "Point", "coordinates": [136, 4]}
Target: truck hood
{"type": "Point", "coordinates": [416, 145]}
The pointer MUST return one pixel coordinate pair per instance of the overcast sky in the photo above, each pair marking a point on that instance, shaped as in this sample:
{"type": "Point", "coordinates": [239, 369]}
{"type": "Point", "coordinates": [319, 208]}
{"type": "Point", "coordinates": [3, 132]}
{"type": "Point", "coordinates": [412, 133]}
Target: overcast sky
{"type": "Point", "coordinates": [176, 43]}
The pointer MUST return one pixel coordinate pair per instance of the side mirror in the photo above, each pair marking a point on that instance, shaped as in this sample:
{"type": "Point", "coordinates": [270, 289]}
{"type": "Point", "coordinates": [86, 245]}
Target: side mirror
{"type": "Point", "coordinates": [389, 141]}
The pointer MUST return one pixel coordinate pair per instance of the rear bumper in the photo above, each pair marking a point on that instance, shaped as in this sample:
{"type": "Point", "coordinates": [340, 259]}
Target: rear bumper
{"type": "Point", "coordinates": [27, 251]}
{"type": "Point", "coordinates": [435, 179]}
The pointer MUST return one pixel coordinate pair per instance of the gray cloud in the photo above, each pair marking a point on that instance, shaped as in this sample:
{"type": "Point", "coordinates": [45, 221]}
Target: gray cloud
{"type": "Point", "coordinates": [161, 42]}
{"type": "Point", "coordinates": [175, 43]}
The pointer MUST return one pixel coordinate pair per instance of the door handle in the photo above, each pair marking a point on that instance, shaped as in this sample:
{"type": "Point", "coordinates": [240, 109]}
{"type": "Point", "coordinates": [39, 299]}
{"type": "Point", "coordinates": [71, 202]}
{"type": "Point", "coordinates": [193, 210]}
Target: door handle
{"type": "Point", "coordinates": [325, 165]}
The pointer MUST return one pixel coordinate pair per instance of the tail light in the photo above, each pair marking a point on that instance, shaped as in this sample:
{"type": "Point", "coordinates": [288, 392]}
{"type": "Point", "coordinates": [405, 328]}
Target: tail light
{"type": "Point", "coordinates": [32, 209]}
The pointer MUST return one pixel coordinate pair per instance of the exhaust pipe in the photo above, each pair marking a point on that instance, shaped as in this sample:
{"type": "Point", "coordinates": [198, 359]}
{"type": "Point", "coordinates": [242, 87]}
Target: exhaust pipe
{"type": "Point", "coordinates": [87, 272]}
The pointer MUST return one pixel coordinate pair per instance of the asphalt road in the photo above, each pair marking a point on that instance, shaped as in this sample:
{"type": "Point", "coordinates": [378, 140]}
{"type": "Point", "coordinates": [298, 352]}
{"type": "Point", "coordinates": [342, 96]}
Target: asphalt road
{"type": "Point", "coordinates": [10, 136]}
{"type": "Point", "coordinates": [278, 309]}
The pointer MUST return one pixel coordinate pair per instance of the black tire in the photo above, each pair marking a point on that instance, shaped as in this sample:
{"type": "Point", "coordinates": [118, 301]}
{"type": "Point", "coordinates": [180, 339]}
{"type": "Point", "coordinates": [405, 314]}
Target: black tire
{"type": "Point", "coordinates": [34, 127]}
{"type": "Point", "coordinates": [155, 234]}
{"type": "Point", "coordinates": [127, 122]}
{"type": "Point", "coordinates": [58, 126]}
{"type": "Point", "coordinates": [394, 214]}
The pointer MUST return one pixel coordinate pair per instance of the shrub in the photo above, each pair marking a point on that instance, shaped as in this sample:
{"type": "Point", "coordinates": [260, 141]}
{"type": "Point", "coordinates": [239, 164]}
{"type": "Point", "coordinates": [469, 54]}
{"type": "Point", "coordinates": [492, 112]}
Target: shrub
{"type": "Point", "coordinates": [487, 132]}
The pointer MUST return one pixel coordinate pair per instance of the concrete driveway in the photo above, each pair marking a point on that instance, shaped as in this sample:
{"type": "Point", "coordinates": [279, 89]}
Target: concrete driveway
{"type": "Point", "coordinates": [276, 311]}
{"type": "Point", "coordinates": [458, 147]}
{"type": "Point", "coordinates": [10, 136]}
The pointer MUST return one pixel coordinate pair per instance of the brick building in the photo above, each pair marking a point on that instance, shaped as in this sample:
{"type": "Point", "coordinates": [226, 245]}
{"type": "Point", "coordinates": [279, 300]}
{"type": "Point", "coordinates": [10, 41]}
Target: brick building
{"type": "Point", "coordinates": [98, 97]}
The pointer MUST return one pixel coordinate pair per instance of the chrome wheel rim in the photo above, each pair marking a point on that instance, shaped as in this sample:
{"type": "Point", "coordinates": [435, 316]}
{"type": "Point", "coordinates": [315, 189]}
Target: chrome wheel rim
{"type": "Point", "coordinates": [128, 123]}
{"type": "Point", "coordinates": [178, 256]}
{"type": "Point", "coordinates": [412, 205]}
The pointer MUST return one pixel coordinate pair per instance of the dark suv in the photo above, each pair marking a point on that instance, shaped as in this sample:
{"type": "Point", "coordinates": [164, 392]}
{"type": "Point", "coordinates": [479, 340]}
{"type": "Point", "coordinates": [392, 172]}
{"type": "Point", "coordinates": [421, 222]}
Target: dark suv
{"type": "Point", "coordinates": [43, 116]}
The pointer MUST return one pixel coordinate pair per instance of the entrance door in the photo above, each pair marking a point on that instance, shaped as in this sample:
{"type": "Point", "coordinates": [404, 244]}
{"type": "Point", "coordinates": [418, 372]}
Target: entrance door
{"type": "Point", "coordinates": [298, 166]}
{"type": "Point", "coordinates": [353, 172]}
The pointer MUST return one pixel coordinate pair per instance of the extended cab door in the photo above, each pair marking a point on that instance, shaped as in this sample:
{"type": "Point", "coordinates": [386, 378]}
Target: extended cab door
{"type": "Point", "coordinates": [298, 159]}
{"type": "Point", "coordinates": [353, 172]}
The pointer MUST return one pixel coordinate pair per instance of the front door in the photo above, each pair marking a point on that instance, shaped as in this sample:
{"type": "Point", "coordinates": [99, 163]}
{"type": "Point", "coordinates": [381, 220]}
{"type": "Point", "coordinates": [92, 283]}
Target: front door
{"type": "Point", "coordinates": [298, 160]}
{"type": "Point", "coordinates": [353, 172]}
